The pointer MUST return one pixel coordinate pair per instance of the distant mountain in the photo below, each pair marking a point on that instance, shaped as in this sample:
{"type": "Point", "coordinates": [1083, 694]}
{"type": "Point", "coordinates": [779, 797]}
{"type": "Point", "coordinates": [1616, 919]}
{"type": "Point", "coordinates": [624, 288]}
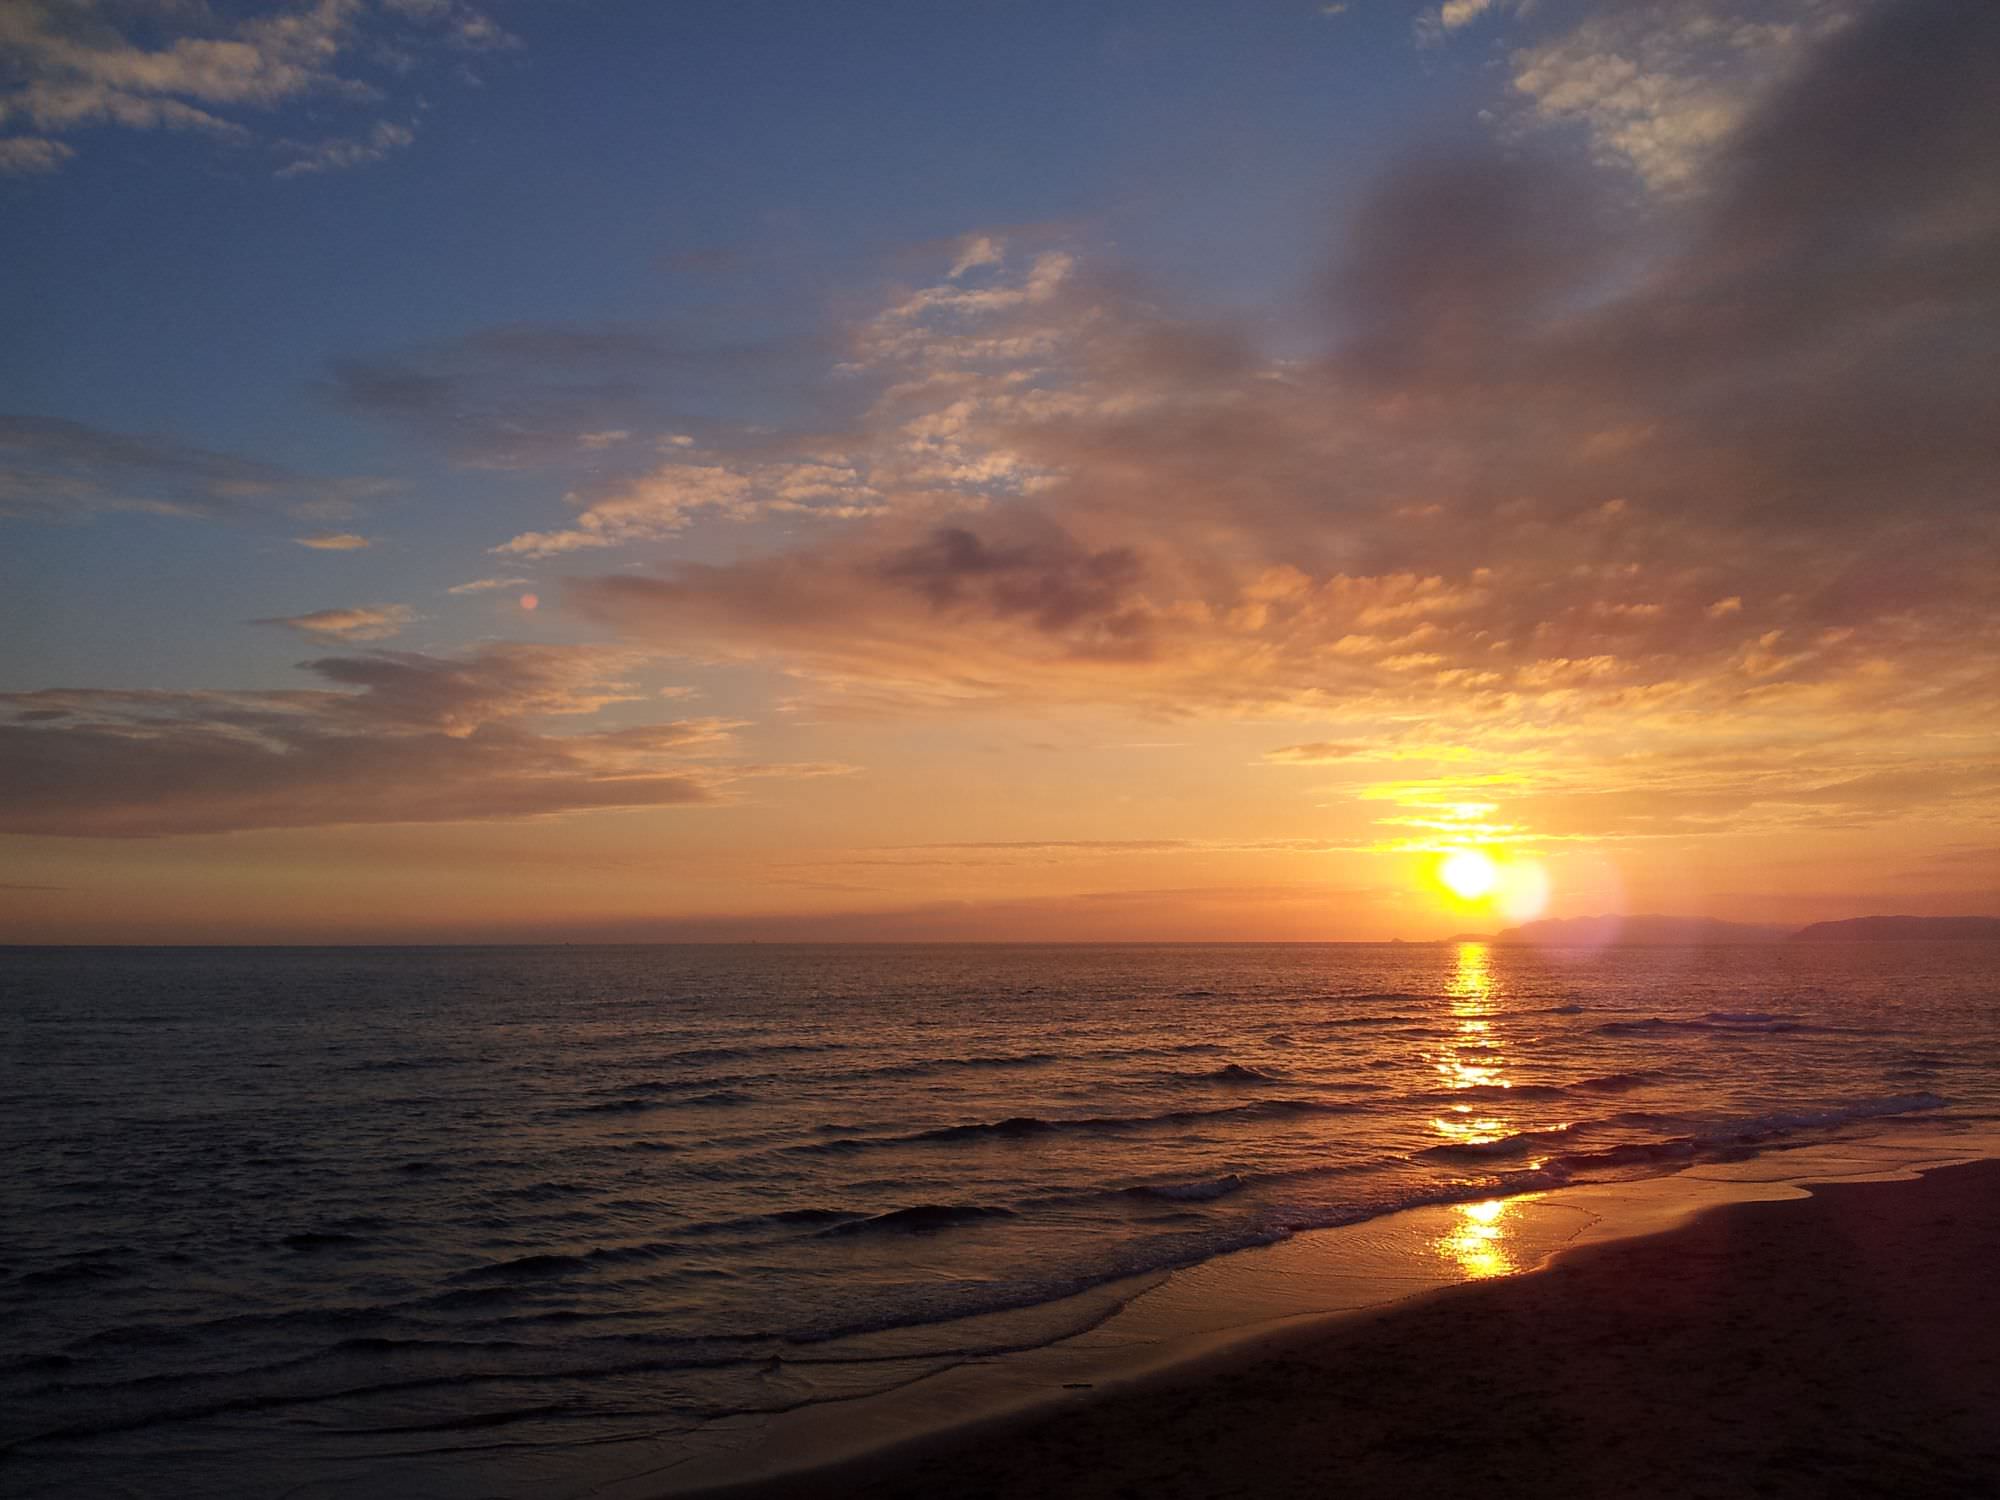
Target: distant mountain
{"type": "Point", "coordinates": [1598, 932]}
{"type": "Point", "coordinates": [1898, 929]}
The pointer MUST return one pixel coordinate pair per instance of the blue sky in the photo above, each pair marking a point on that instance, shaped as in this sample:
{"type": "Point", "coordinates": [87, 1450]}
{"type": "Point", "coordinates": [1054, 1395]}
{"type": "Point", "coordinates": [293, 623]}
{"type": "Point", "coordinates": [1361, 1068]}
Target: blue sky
{"type": "Point", "coordinates": [733, 170]}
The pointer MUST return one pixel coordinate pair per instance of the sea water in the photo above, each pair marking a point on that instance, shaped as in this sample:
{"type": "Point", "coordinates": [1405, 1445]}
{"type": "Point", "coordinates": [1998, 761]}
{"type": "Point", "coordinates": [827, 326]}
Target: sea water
{"type": "Point", "coordinates": [284, 1218]}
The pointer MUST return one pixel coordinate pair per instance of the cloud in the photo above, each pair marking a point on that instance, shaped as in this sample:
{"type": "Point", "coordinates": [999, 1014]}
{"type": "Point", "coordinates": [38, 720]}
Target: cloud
{"type": "Point", "coordinates": [333, 541]}
{"type": "Point", "coordinates": [666, 499]}
{"type": "Point", "coordinates": [1549, 433]}
{"type": "Point", "coordinates": [194, 68]}
{"type": "Point", "coordinates": [1047, 579]}
{"type": "Point", "coordinates": [339, 153]}
{"type": "Point", "coordinates": [366, 622]}
{"type": "Point", "coordinates": [486, 585]}
{"type": "Point", "coordinates": [28, 155]}
{"type": "Point", "coordinates": [54, 470]}
{"type": "Point", "coordinates": [1436, 25]}
{"type": "Point", "coordinates": [1660, 87]}
{"type": "Point", "coordinates": [938, 360]}
{"type": "Point", "coordinates": [1454, 14]}
{"type": "Point", "coordinates": [1317, 753]}
{"type": "Point", "coordinates": [655, 505]}
{"type": "Point", "coordinates": [530, 395]}
{"type": "Point", "coordinates": [975, 251]}
{"type": "Point", "coordinates": [467, 27]}
{"type": "Point", "coordinates": [392, 737]}
{"type": "Point", "coordinates": [1267, 911]}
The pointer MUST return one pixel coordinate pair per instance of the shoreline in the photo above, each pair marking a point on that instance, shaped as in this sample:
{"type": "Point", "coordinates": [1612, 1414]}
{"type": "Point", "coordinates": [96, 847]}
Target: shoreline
{"type": "Point", "coordinates": [1241, 1311]}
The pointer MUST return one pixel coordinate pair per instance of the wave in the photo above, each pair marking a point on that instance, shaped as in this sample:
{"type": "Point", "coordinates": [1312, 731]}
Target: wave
{"type": "Point", "coordinates": [1700, 1140]}
{"type": "Point", "coordinates": [1616, 1083]}
{"type": "Point", "coordinates": [472, 1422]}
{"type": "Point", "coordinates": [399, 1064]}
{"type": "Point", "coordinates": [1630, 1154]}
{"type": "Point", "coordinates": [1025, 1127]}
{"type": "Point", "coordinates": [1494, 1091]}
{"type": "Point", "coordinates": [923, 1067]}
{"type": "Point", "coordinates": [319, 1239]}
{"type": "Point", "coordinates": [1749, 1017]}
{"type": "Point", "coordinates": [1231, 1073]}
{"type": "Point", "coordinates": [945, 1067]}
{"type": "Point", "coordinates": [922, 1218]}
{"type": "Point", "coordinates": [1020, 1127]}
{"type": "Point", "coordinates": [551, 1191]}
{"type": "Point", "coordinates": [1718, 1022]}
{"type": "Point", "coordinates": [1521, 1143]}
{"type": "Point", "coordinates": [1784, 1122]}
{"type": "Point", "coordinates": [716, 1054]}
{"type": "Point", "coordinates": [1342, 1023]}
{"type": "Point", "coordinates": [546, 1264]}
{"type": "Point", "coordinates": [1201, 1190]}
{"type": "Point", "coordinates": [1698, 1137]}
{"type": "Point", "coordinates": [716, 1099]}
{"type": "Point", "coordinates": [87, 1268]}
{"type": "Point", "coordinates": [526, 1267]}
{"type": "Point", "coordinates": [1014, 1127]}
{"type": "Point", "coordinates": [1605, 1083]}
{"type": "Point", "coordinates": [1174, 1049]}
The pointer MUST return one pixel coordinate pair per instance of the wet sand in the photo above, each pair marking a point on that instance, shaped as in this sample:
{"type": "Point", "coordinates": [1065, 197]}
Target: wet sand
{"type": "Point", "coordinates": [1842, 1344]}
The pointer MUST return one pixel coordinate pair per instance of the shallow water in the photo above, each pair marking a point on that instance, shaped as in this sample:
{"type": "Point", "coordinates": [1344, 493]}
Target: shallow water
{"type": "Point", "coordinates": [277, 1216]}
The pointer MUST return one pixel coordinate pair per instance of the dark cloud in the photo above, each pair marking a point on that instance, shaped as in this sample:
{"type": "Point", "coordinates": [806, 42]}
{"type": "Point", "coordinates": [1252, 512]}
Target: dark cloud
{"type": "Point", "coordinates": [51, 469]}
{"type": "Point", "coordinates": [193, 778]}
{"type": "Point", "coordinates": [1051, 581]}
{"type": "Point", "coordinates": [1456, 265]}
{"type": "Point", "coordinates": [528, 395]}
{"type": "Point", "coordinates": [1812, 339]}
{"type": "Point", "coordinates": [414, 738]}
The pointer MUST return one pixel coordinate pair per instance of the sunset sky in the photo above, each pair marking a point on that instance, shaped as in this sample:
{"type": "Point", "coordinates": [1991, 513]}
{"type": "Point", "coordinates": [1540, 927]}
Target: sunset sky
{"type": "Point", "coordinates": [617, 470]}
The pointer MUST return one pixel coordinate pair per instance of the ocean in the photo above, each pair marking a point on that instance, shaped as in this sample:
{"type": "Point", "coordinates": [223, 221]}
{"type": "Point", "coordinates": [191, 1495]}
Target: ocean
{"type": "Point", "coordinates": [356, 1221]}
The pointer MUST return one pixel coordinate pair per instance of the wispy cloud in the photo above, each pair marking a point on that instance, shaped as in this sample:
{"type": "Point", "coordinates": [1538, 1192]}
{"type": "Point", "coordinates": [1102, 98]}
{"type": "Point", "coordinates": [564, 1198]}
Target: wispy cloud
{"type": "Point", "coordinates": [51, 469]}
{"type": "Point", "coordinates": [338, 153]}
{"type": "Point", "coordinates": [667, 498]}
{"type": "Point", "coordinates": [32, 155]}
{"type": "Point", "coordinates": [364, 622]}
{"type": "Point", "coordinates": [1435, 25]}
{"type": "Point", "coordinates": [1316, 753]}
{"type": "Point", "coordinates": [195, 68]}
{"type": "Point", "coordinates": [1661, 87]}
{"type": "Point", "coordinates": [333, 541]}
{"type": "Point", "coordinates": [487, 585]}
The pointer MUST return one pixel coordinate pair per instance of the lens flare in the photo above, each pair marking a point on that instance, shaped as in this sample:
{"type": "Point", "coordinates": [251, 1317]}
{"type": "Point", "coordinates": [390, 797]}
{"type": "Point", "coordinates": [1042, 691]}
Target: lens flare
{"type": "Point", "coordinates": [1523, 892]}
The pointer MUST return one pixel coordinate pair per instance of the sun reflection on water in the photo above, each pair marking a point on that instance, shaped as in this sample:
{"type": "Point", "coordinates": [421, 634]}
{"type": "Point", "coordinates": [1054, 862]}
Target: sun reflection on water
{"type": "Point", "coordinates": [1472, 1057]}
{"type": "Point", "coordinates": [1476, 1242]}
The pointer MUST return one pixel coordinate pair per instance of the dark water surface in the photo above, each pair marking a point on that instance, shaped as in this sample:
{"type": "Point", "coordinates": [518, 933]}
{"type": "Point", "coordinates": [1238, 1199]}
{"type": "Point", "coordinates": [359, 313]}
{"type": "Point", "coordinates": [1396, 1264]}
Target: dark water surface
{"type": "Point", "coordinates": [272, 1217]}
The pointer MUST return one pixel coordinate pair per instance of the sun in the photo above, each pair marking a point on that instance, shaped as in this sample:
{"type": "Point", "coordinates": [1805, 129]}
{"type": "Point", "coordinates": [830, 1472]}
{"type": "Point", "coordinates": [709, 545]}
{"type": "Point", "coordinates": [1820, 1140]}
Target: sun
{"type": "Point", "coordinates": [1468, 874]}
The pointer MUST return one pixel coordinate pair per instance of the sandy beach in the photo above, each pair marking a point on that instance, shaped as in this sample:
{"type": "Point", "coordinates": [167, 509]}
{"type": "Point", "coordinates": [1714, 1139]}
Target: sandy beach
{"type": "Point", "coordinates": [1843, 1344]}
